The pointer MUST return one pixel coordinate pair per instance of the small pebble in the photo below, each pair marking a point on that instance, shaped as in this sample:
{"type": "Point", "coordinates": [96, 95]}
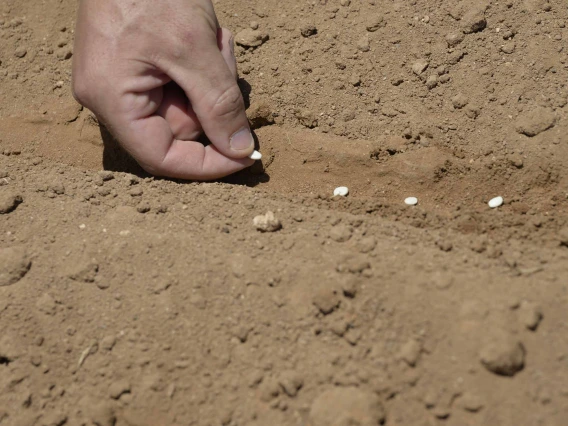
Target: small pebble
{"type": "Point", "coordinates": [341, 191]}
{"type": "Point", "coordinates": [496, 202]}
{"type": "Point", "coordinates": [255, 155]}
{"type": "Point", "coordinates": [411, 201]}
{"type": "Point", "coordinates": [267, 222]}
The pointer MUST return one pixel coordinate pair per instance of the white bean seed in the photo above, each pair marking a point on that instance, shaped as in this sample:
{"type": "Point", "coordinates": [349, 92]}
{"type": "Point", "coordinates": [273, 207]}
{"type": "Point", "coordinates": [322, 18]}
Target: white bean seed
{"type": "Point", "coordinates": [411, 201]}
{"type": "Point", "coordinates": [341, 191]}
{"type": "Point", "coordinates": [496, 202]}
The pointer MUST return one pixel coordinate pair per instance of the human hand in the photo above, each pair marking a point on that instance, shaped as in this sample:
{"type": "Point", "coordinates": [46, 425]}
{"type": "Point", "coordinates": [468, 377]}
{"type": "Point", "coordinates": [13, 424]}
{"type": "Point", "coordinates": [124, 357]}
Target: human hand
{"type": "Point", "coordinates": [157, 74]}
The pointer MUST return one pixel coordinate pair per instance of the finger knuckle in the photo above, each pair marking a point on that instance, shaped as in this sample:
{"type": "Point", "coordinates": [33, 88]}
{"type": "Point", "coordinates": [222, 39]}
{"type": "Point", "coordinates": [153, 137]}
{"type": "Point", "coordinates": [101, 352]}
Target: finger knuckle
{"type": "Point", "coordinates": [228, 103]}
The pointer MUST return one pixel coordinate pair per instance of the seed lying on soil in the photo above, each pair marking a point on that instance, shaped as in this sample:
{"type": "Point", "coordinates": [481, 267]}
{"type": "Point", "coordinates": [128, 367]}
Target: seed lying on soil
{"type": "Point", "coordinates": [496, 202]}
{"type": "Point", "coordinates": [411, 201]}
{"type": "Point", "coordinates": [341, 191]}
{"type": "Point", "coordinates": [255, 155]}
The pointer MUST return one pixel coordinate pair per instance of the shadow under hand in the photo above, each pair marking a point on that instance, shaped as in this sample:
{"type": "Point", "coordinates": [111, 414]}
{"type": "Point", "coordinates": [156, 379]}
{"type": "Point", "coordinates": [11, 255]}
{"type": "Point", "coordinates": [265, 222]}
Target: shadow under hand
{"type": "Point", "coordinates": [116, 159]}
{"type": "Point", "coordinates": [246, 90]}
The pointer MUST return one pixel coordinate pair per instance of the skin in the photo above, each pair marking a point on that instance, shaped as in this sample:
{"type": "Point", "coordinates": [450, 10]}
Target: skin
{"type": "Point", "coordinates": [157, 74]}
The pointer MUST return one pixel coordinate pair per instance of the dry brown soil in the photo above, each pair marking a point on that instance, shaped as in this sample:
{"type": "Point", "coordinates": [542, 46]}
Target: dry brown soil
{"type": "Point", "coordinates": [132, 301]}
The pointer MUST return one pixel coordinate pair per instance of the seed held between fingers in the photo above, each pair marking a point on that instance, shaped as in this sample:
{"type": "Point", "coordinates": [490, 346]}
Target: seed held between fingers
{"type": "Point", "coordinates": [255, 155]}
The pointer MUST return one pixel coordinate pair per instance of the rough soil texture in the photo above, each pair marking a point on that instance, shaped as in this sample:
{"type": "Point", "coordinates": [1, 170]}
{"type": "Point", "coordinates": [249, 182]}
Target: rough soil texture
{"type": "Point", "coordinates": [132, 301]}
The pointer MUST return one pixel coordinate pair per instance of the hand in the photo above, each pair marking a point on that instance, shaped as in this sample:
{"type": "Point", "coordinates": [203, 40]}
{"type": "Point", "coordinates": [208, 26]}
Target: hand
{"type": "Point", "coordinates": [157, 74]}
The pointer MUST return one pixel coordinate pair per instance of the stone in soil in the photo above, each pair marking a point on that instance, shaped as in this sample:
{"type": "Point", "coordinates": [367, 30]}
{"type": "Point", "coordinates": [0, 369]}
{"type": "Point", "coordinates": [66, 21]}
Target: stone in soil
{"type": "Point", "coordinates": [535, 121]}
{"type": "Point", "coordinates": [267, 222]}
{"type": "Point", "coordinates": [341, 406]}
{"type": "Point", "coordinates": [503, 355]}
{"type": "Point", "coordinates": [9, 202]}
{"type": "Point", "coordinates": [14, 265]}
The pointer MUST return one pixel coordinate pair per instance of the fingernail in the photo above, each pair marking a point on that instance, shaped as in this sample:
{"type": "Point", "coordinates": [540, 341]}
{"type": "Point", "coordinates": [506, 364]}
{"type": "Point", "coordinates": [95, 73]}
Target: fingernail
{"type": "Point", "coordinates": [242, 140]}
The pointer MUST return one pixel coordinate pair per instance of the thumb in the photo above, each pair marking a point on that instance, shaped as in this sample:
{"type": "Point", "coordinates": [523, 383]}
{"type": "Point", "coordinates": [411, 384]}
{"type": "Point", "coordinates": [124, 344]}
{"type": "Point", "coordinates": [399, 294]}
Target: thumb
{"type": "Point", "coordinates": [216, 98]}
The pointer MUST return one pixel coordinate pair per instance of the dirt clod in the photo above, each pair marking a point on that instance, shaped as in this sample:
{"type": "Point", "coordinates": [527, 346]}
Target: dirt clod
{"type": "Point", "coordinates": [9, 202]}
{"type": "Point", "coordinates": [250, 38]}
{"type": "Point", "coordinates": [459, 101]}
{"type": "Point", "coordinates": [346, 406]}
{"type": "Point", "coordinates": [366, 244]}
{"type": "Point", "coordinates": [83, 269]}
{"type": "Point", "coordinates": [471, 402]}
{"type": "Point", "coordinates": [14, 265]}
{"type": "Point", "coordinates": [340, 233]}
{"type": "Point", "coordinates": [308, 30]}
{"type": "Point", "coordinates": [260, 115]}
{"type": "Point", "coordinates": [267, 222]}
{"type": "Point", "coordinates": [410, 352]}
{"type": "Point", "coordinates": [326, 300]}
{"type": "Point", "coordinates": [503, 355]}
{"type": "Point", "coordinates": [374, 22]}
{"type": "Point", "coordinates": [454, 38]}
{"type": "Point", "coordinates": [474, 20]}
{"type": "Point", "coordinates": [119, 388]}
{"type": "Point", "coordinates": [535, 121]}
{"type": "Point", "coordinates": [420, 66]}
{"type": "Point", "coordinates": [291, 383]}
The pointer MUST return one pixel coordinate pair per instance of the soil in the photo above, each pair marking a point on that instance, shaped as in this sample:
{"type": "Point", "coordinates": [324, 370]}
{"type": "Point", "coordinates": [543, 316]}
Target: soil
{"type": "Point", "coordinates": [133, 301]}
